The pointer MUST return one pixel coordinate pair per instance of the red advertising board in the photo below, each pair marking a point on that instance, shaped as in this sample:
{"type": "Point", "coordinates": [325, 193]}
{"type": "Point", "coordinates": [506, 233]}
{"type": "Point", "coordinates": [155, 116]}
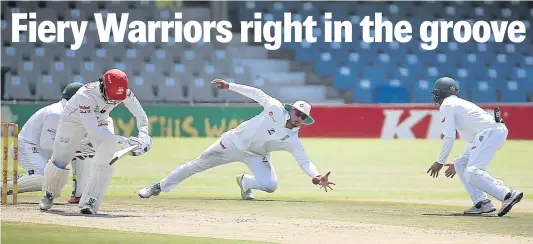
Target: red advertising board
{"type": "Point", "coordinates": [402, 121]}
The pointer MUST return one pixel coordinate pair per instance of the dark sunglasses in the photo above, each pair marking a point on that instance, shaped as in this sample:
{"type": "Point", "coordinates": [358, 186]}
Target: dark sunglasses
{"type": "Point", "coordinates": [299, 113]}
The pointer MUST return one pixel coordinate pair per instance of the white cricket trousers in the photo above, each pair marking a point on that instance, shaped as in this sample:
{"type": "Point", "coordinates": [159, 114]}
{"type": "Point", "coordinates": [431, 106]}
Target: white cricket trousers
{"type": "Point", "coordinates": [67, 141]}
{"type": "Point", "coordinates": [471, 165]}
{"type": "Point", "coordinates": [31, 157]}
{"type": "Point", "coordinates": [221, 152]}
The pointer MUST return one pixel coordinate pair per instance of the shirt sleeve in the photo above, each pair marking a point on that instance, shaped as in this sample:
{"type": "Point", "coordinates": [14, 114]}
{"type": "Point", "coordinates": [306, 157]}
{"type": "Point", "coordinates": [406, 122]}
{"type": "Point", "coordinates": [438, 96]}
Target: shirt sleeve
{"type": "Point", "coordinates": [135, 107]}
{"type": "Point", "coordinates": [48, 132]}
{"type": "Point", "coordinates": [448, 130]}
{"type": "Point", "coordinates": [253, 93]}
{"type": "Point", "coordinates": [90, 122]}
{"type": "Point", "coordinates": [298, 152]}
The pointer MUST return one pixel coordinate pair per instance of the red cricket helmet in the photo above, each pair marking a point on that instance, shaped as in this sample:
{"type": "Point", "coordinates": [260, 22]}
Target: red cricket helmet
{"type": "Point", "coordinates": [114, 86]}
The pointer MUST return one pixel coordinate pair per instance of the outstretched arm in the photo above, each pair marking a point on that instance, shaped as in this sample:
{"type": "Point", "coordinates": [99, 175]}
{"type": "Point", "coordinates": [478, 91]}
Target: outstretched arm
{"type": "Point", "coordinates": [256, 94]}
{"type": "Point", "coordinates": [298, 152]}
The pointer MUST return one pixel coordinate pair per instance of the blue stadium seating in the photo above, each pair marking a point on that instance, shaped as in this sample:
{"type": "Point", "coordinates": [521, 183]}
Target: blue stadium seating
{"type": "Point", "coordinates": [373, 72]}
{"type": "Point", "coordinates": [485, 70]}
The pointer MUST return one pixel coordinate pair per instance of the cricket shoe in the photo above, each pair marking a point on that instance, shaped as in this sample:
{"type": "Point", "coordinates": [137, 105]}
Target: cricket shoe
{"type": "Point", "coordinates": [149, 191]}
{"type": "Point", "coordinates": [246, 195]}
{"type": "Point", "coordinates": [47, 201]}
{"type": "Point", "coordinates": [88, 207]}
{"type": "Point", "coordinates": [481, 207]}
{"type": "Point", "coordinates": [74, 200]}
{"type": "Point", "coordinates": [510, 200]}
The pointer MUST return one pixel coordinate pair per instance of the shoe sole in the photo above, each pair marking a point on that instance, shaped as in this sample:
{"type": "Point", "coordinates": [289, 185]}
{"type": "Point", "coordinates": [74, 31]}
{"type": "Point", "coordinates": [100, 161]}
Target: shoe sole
{"type": "Point", "coordinates": [44, 209]}
{"type": "Point", "coordinates": [141, 196]}
{"type": "Point", "coordinates": [510, 206]}
{"type": "Point", "coordinates": [492, 210]}
{"type": "Point", "coordinates": [86, 211]}
{"type": "Point", "coordinates": [73, 201]}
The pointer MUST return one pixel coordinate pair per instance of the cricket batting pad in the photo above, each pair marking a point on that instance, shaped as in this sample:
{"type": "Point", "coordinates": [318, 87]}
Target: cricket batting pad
{"type": "Point", "coordinates": [54, 179]}
{"type": "Point", "coordinates": [100, 175]}
{"type": "Point", "coordinates": [98, 181]}
{"type": "Point", "coordinates": [80, 170]}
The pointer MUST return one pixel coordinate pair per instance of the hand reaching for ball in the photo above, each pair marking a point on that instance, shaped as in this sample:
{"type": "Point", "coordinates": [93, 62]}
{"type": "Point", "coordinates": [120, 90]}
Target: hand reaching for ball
{"type": "Point", "coordinates": [323, 181]}
{"type": "Point", "coordinates": [220, 83]}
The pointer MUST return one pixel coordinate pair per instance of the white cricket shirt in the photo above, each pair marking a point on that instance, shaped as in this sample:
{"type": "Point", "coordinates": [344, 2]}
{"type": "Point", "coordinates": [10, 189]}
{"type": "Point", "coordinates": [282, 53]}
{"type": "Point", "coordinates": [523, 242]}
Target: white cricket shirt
{"type": "Point", "coordinates": [89, 108]}
{"type": "Point", "coordinates": [40, 129]}
{"type": "Point", "coordinates": [266, 132]}
{"type": "Point", "coordinates": [465, 117]}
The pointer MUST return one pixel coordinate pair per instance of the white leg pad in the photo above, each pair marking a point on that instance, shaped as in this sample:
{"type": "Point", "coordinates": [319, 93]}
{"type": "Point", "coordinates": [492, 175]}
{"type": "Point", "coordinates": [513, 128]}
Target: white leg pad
{"type": "Point", "coordinates": [100, 174]}
{"type": "Point", "coordinates": [54, 179]}
{"type": "Point", "coordinates": [81, 170]}
{"type": "Point", "coordinates": [97, 184]}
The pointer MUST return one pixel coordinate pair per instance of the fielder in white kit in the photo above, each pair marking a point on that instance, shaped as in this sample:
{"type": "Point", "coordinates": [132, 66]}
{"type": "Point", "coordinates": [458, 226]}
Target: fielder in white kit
{"type": "Point", "coordinates": [36, 139]}
{"type": "Point", "coordinates": [274, 129]}
{"type": "Point", "coordinates": [86, 113]}
{"type": "Point", "coordinates": [485, 134]}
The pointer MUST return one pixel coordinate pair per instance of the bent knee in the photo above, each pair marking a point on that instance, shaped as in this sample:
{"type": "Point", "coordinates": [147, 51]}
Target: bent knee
{"type": "Point", "coordinates": [270, 185]}
{"type": "Point", "coordinates": [461, 160]}
{"type": "Point", "coordinates": [471, 172]}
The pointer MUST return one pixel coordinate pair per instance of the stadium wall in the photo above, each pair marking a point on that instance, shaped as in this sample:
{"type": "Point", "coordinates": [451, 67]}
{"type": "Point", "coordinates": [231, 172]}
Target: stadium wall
{"type": "Point", "coordinates": [404, 121]}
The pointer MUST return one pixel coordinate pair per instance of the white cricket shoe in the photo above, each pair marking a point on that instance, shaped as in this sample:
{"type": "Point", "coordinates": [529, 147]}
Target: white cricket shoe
{"type": "Point", "coordinates": [149, 191]}
{"type": "Point", "coordinates": [481, 207]}
{"type": "Point", "coordinates": [246, 195]}
{"type": "Point", "coordinates": [511, 199]}
{"type": "Point", "coordinates": [47, 201]}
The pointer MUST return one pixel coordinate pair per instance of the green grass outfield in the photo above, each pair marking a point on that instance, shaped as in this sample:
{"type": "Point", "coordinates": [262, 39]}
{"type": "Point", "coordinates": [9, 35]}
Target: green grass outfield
{"type": "Point", "coordinates": [18, 232]}
{"type": "Point", "coordinates": [378, 182]}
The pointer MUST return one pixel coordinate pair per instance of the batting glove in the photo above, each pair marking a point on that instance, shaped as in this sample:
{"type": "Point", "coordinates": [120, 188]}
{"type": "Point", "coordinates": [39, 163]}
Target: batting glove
{"type": "Point", "coordinates": [142, 146]}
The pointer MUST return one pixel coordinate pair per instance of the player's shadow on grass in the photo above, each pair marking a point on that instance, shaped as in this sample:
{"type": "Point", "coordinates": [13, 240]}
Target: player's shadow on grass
{"type": "Point", "coordinates": [255, 200]}
{"type": "Point", "coordinates": [64, 213]}
{"type": "Point", "coordinates": [460, 215]}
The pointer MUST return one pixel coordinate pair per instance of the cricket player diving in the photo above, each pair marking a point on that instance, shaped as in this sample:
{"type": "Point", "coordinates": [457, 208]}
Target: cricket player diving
{"type": "Point", "coordinates": [36, 139]}
{"type": "Point", "coordinates": [485, 134]}
{"type": "Point", "coordinates": [86, 113]}
{"type": "Point", "coordinates": [274, 129]}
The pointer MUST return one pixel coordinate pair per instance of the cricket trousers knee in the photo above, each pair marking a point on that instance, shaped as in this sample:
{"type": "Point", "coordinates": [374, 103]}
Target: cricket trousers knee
{"type": "Point", "coordinates": [484, 147]}
{"type": "Point", "coordinates": [33, 160]}
{"type": "Point", "coordinates": [31, 157]}
{"type": "Point", "coordinates": [264, 176]}
{"type": "Point", "coordinates": [219, 153]}
{"type": "Point", "coordinates": [461, 163]}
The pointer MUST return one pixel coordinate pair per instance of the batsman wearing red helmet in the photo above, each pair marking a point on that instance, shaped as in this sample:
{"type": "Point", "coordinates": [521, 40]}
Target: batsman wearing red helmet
{"type": "Point", "coordinates": [86, 113]}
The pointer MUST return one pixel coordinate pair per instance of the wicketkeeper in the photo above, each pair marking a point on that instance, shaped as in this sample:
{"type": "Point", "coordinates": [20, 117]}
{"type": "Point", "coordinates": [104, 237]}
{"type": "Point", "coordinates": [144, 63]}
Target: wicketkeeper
{"type": "Point", "coordinates": [36, 139]}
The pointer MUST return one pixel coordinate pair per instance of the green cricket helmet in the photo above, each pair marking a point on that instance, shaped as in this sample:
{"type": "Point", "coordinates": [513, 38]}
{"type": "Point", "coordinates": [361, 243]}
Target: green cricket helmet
{"type": "Point", "coordinates": [70, 90]}
{"type": "Point", "coordinates": [443, 88]}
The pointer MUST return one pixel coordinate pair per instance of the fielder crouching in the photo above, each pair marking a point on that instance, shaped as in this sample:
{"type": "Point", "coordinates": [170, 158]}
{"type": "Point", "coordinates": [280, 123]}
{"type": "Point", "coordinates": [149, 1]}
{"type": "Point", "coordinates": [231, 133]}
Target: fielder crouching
{"type": "Point", "coordinates": [274, 129]}
{"type": "Point", "coordinates": [86, 113]}
{"type": "Point", "coordinates": [36, 139]}
{"type": "Point", "coordinates": [485, 135]}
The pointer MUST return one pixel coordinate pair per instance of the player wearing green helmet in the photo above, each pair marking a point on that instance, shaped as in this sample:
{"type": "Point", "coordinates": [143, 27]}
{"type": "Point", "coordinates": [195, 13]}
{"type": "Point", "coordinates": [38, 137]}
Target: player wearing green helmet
{"type": "Point", "coordinates": [485, 135]}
